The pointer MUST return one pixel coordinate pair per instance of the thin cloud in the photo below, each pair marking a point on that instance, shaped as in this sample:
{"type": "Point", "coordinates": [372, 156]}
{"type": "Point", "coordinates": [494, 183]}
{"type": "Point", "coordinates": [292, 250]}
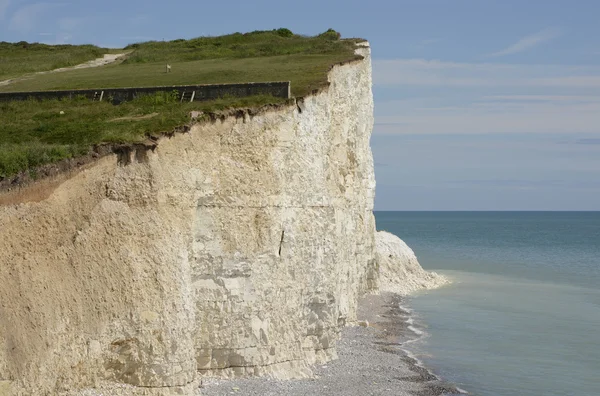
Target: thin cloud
{"type": "Point", "coordinates": [136, 39]}
{"type": "Point", "coordinates": [525, 184]}
{"type": "Point", "coordinates": [480, 116]}
{"type": "Point", "coordinates": [4, 4]}
{"type": "Point", "coordinates": [545, 98]}
{"type": "Point", "coordinates": [430, 41]}
{"type": "Point", "coordinates": [55, 38]}
{"type": "Point", "coordinates": [3, 7]}
{"type": "Point", "coordinates": [529, 42]}
{"type": "Point", "coordinates": [427, 42]}
{"type": "Point", "coordinates": [591, 141]}
{"type": "Point", "coordinates": [25, 18]}
{"type": "Point", "coordinates": [436, 73]}
{"type": "Point", "coordinates": [70, 24]}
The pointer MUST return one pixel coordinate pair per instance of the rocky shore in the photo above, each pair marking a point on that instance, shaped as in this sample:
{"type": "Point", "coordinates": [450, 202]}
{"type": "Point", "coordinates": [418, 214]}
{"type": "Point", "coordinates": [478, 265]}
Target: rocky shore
{"type": "Point", "coordinates": [371, 362]}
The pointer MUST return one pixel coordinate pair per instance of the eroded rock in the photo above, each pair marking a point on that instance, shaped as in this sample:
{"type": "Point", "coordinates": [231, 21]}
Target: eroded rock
{"type": "Point", "coordinates": [400, 271]}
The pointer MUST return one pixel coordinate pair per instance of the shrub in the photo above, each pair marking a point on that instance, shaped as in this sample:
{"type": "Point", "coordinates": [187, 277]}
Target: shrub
{"type": "Point", "coordinates": [283, 32]}
{"type": "Point", "coordinates": [330, 34]}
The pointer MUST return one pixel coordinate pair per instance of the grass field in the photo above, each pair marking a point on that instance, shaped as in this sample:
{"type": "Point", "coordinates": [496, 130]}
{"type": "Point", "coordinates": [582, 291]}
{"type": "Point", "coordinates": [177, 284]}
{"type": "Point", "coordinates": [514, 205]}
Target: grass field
{"type": "Point", "coordinates": [253, 57]}
{"type": "Point", "coordinates": [306, 72]}
{"type": "Point", "coordinates": [35, 133]}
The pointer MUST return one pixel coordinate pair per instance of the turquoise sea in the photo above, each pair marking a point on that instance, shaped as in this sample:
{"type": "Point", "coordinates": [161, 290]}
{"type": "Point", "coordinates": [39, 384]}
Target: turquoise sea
{"type": "Point", "coordinates": [522, 316]}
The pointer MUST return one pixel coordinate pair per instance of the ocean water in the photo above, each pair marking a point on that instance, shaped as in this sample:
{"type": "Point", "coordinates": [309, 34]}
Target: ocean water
{"type": "Point", "coordinates": [522, 316]}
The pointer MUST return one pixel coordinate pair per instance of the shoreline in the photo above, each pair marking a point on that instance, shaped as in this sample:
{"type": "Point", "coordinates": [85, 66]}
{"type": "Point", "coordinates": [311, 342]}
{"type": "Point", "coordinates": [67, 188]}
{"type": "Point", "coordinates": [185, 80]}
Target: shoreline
{"type": "Point", "coordinates": [371, 362]}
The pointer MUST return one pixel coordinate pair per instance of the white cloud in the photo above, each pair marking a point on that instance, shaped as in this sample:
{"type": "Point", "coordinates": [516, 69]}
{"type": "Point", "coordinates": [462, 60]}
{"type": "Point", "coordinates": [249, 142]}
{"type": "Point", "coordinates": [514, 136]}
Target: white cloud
{"type": "Point", "coordinates": [483, 116]}
{"type": "Point", "coordinates": [421, 72]}
{"type": "Point", "coordinates": [487, 98]}
{"type": "Point", "coordinates": [529, 42]}
{"type": "Point", "coordinates": [25, 18]}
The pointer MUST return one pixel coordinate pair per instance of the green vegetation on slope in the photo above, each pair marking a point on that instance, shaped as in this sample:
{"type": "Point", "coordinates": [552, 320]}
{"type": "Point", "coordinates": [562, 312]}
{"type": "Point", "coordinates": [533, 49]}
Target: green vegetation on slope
{"type": "Point", "coordinates": [21, 58]}
{"type": "Point", "coordinates": [238, 45]}
{"type": "Point", "coordinates": [260, 56]}
{"type": "Point", "coordinates": [35, 133]}
{"type": "Point", "coordinates": [306, 72]}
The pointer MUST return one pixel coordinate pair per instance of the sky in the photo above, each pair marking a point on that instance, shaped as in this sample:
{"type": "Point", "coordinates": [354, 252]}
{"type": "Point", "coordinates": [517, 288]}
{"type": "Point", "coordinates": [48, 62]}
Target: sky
{"type": "Point", "coordinates": [479, 104]}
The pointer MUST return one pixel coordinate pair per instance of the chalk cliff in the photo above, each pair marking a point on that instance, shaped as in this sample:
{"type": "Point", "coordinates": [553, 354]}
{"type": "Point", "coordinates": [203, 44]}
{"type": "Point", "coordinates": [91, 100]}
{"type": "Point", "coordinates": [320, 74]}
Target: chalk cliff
{"type": "Point", "coordinates": [399, 269]}
{"type": "Point", "coordinates": [238, 248]}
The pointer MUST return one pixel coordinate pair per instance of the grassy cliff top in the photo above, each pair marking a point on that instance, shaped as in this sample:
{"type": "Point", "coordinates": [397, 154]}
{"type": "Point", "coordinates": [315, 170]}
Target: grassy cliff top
{"type": "Point", "coordinates": [277, 55]}
{"type": "Point", "coordinates": [36, 133]}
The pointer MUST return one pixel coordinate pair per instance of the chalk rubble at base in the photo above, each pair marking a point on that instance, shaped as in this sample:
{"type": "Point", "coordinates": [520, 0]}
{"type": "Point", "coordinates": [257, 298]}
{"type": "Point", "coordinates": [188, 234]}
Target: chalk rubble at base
{"type": "Point", "coordinates": [399, 269]}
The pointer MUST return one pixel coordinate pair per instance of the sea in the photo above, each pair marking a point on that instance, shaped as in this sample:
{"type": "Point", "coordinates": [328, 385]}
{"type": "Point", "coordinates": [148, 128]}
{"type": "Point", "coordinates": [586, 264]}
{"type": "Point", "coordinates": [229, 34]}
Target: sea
{"type": "Point", "coordinates": [522, 315]}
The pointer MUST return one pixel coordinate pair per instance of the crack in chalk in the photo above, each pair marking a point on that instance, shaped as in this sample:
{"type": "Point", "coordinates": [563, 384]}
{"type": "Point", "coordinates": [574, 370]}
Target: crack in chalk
{"type": "Point", "coordinates": [255, 365]}
{"type": "Point", "coordinates": [281, 242]}
{"type": "Point", "coordinates": [166, 386]}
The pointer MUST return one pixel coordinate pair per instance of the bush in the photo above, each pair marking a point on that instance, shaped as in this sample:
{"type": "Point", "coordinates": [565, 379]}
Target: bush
{"type": "Point", "coordinates": [330, 34]}
{"type": "Point", "coordinates": [283, 32]}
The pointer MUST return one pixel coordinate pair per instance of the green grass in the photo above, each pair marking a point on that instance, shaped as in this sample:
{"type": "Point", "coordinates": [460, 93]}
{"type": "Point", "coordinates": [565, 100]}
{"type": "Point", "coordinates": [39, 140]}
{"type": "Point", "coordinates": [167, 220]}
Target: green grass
{"type": "Point", "coordinates": [306, 72]}
{"type": "Point", "coordinates": [34, 133]}
{"type": "Point", "coordinates": [238, 45]}
{"type": "Point", "coordinates": [17, 59]}
{"type": "Point", "coordinates": [235, 58]}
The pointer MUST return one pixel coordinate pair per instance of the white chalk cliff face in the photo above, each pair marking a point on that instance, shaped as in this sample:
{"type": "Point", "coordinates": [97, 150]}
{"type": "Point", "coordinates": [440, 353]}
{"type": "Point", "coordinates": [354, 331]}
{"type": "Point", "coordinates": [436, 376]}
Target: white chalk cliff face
{"type": "Point", "coordinates": [239, 248]}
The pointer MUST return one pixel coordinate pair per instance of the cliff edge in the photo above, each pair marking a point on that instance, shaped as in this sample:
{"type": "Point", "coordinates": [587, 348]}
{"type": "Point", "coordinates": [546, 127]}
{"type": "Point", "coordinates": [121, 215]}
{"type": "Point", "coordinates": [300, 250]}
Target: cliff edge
{"type": "Point", "coordinates": [238, 248]}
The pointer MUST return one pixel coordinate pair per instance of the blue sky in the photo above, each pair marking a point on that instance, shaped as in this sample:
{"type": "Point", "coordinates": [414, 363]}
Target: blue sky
{"type": "Point", "coordinates": [480, 104]}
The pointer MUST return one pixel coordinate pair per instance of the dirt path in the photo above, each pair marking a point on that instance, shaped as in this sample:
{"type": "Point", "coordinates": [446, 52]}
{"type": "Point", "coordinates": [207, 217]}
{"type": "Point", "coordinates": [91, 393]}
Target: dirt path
{"type": "Point", "coordinates": [105, 60]}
